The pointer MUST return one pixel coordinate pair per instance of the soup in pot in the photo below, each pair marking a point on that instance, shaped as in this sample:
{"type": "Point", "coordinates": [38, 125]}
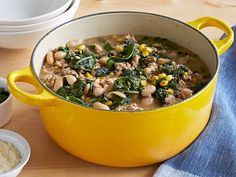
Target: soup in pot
{"type": "Point", "coordinates": [124, 72]}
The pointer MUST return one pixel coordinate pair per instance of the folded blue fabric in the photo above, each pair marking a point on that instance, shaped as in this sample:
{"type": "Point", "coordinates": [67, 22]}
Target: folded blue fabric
{"type": "Point", "coordinates": [213, 154]}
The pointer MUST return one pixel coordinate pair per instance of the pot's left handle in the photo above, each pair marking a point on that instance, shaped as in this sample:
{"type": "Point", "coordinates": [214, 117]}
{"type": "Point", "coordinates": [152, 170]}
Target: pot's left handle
{"type": "Point", "coordinates": [43, 98]}
{"type": "Point", "coordinates": [223, 44]}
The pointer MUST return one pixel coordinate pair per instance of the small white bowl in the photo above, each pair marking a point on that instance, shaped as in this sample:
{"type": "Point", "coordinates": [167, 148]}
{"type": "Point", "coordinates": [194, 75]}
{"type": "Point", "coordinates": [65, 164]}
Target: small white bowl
{"type": "Point", "coordinates": [28, 39]}
{"type": "Point", "coordinates": [21, 145]}
{"type": "Point", "coordinates": [22, 12]}
{"type": "Point", "coordinates": [6, 106]}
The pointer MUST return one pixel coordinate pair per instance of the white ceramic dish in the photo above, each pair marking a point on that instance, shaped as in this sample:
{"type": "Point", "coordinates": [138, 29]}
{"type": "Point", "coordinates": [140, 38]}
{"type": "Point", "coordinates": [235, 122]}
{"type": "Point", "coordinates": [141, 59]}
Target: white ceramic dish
{"type": "Point", "coordinates": [23, 147]}
{"type": "Point", "coordinates": [6, 106]}
{"type": "Point", "coordinates": [28, 39]}
{"type": "Point", "coordinates": [22, 12]}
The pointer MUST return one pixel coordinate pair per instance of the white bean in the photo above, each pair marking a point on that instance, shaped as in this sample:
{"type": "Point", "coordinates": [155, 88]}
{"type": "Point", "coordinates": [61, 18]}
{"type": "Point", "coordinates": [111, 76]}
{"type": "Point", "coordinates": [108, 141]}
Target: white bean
{"type": "Point", "coordinates": [70, 79]}
{"type": "Point", "coordinates": [148, 90]}
{"type": "Point", "coordinates": [162, 61]}
{"type": "Point", "coordinates": [98, 91]}
{"type": "Point", "coordinates": [110, 94]}
{"type": "Point", "coordinates": [58, 84]}
{"type": "Point", "coordinates": [146, 101]}
{"type": "Point", "coordinates": [147, 70]}
{"type": "Point", "coordinates": [98, 105]}
{"type": "Point", "coordinates": [186, 93]}
{"type": "Point", "coordinates": [59, 55]}
{"type": "Point", "coordinates": [86, 89]}
{"type": "Point", "coordinates": [50, 58]}
{"type": "Point", "coordinates": [98, 48]}
{"type": "Point", "coordinates": [58, 63]}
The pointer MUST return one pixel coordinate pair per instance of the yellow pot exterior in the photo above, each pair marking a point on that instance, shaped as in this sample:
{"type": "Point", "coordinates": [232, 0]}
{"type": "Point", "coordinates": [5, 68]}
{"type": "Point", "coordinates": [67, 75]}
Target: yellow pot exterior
{"type": "Point", "coordinates": [124, 139]}
{"type": "Point", "coordinates": [128, 139]}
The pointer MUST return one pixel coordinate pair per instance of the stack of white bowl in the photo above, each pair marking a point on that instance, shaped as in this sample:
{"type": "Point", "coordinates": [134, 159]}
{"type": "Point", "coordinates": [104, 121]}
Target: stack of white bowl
{"type": "Point", "coordinates": [24, 22]}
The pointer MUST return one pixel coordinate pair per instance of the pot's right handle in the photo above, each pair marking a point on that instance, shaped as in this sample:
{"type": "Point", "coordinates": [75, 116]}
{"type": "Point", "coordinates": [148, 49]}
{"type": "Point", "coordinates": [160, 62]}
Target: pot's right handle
{"type": "Point", "coordinates": [43, 98]}
{"type": "Point", "coordinates": [223, 44]}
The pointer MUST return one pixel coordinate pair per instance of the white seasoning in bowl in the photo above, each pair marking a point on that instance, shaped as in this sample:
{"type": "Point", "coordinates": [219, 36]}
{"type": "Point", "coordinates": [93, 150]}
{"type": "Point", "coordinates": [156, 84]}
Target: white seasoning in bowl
{"type": "Point", "coordinates": [9, 156]}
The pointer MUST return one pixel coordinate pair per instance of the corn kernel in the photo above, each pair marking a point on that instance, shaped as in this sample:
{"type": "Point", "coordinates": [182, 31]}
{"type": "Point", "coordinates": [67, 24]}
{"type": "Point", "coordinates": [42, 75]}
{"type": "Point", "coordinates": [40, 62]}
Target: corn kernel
{"type": "Point", "coordinates": [149, 49]}
{"type": "Point", "coordinates": [88, 75]}
{"type": "Point", "coordinates": [162, 75]}
{"type": "Point", "coordinates": [142, 47]}
{"type": "Point", "coordinates": [170, 91]}
{"type": "Point", "coordinates": [143, 83]}
{"type": "Point", "coordinates": [81, 47]}
{"type": "Point", "coordinates": [185, 74]}
{"type": "Point", "coordinates": [154, 80]}
{"type": "Point", "coordinates": [108, 103]}
{"type": "Point", "coordinates": [145, 53]}
{"type": "Point", "coordinates": [102, 77]}
{"type": "Point", "coordinates": [169, 77]}
{"type": "Point", "coordinates": [120, 39]}
{"type": "Point", "coordinates": [119, 48]}
{"type": "Point", "coordinates": [164, 83]}
{"type": "Point", "coordinates": [87, 98]}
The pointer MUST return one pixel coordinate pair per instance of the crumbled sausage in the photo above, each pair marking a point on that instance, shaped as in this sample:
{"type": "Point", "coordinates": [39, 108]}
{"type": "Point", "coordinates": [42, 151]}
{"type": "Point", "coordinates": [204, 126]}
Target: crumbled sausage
{"type": "Point", "coordinates": [129, 107]}
{"type": "Point", "coordinates": [121, 66]}
{"type": "Point", "coordinates": [171, 99]}
{"type": "Point", "coordinates": [186, 93]}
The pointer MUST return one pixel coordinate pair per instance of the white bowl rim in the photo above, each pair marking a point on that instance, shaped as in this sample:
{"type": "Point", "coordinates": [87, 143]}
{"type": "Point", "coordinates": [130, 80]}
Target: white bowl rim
{"type": "Point", "coordinates": [74, 5]}
{"type": "Point", "coordinates": [10, 95]}
{"type": "Point", "coordinates": [23, 161]}
{"type": "Point", "coordinates": [65, 6]}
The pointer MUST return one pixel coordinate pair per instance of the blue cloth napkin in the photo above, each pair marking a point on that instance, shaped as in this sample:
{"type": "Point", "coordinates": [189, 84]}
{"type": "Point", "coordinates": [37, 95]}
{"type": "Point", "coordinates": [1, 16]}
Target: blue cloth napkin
{"type": "Point", "coordinates": [213, 154]}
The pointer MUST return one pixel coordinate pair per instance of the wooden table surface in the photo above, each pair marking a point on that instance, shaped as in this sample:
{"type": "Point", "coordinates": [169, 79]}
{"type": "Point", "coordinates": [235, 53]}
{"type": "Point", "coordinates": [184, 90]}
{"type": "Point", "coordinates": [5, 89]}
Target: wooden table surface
{"type": "Point", "coordinates": [47, 159]}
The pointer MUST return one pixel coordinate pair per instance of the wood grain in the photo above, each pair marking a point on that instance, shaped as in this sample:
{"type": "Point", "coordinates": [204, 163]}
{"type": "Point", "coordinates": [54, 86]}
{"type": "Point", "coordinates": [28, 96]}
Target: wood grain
{"type": "Point", "coordinates": [47, 159]}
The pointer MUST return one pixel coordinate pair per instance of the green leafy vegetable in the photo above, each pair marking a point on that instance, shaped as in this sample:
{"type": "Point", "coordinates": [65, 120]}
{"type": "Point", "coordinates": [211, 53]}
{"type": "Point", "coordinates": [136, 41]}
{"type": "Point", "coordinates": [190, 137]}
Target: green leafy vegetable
{"type": "Point", "coordinates": [110, 63]}
{"type": "Point", "coordinates": [92, 47]}
{"type": "Point", "coordinates": [78, 88]}
{"type": "Point", "coordinates": [76, 100]}
{"type": "Point", "coordinates": [118, 101]}
{"type": "Point", "coordinates": [161, 94]}
{"type": "Point", "coordinates": [3, 95]}
{"type": "Point", "coordinates": [129, 51]}
{"type": "Point", "coordinates": [198, 86]}
{"type": "Point", "coordinates": [129, 81]}
{"type": "Point", "coordinates": [180, 70]}
{"type": "Point", "coordinates": [64, 91]}
{"type": "Point", "coordinates": [101, 99]}
{"type": "Point", "coordinates": [173, 83]}
{"type": "Point", "coordinates": [84, 62]}
{"type": "Point", "coordinates": [108, 47]}
{"type": "Point", "coordinates": [63, 49]}
{"type": "Point", "coordinates": [168, 68]}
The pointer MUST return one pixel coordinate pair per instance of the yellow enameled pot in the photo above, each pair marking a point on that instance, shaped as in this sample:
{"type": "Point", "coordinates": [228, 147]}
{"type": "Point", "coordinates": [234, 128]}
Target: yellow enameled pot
{"type": "Point", "coordinates": [124, 139]}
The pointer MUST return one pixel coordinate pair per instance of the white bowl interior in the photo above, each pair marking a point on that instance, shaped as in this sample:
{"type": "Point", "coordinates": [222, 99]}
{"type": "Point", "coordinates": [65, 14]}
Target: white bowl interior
{"type": "Point", "coordinates": [124, 23]}
{"type": "Point", "coordinates": [21, 144]}
{"type": "Point", "coordinates": [11, 10]}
